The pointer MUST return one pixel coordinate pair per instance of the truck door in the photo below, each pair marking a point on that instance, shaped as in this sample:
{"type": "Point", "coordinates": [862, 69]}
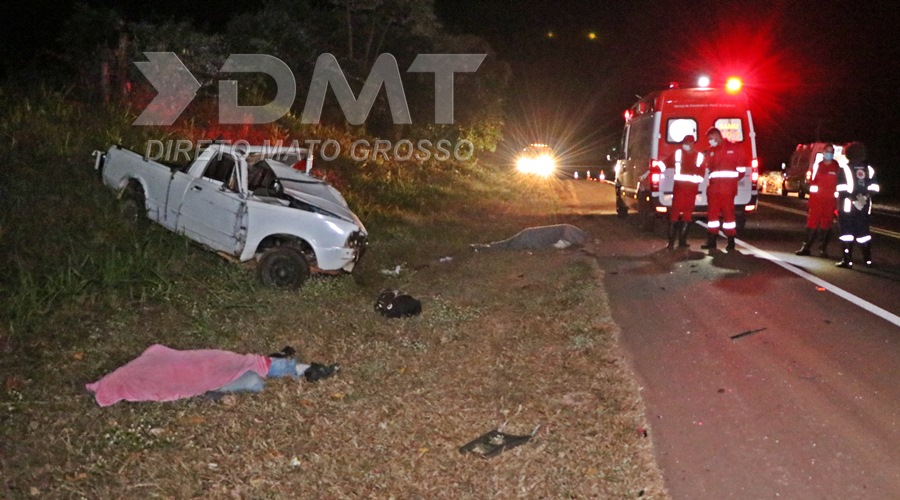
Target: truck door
{"type": "Point", "coordinates": [211, 212]}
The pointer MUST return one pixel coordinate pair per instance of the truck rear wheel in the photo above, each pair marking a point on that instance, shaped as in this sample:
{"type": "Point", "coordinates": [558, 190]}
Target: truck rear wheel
{"type": "Point", "coordinates": [646, 214]}
{"type": "Point", "coordinates": [282, 266]}
{"type": "Point", "coordinates": [741, 222]}
{"type": "Point", "coordinates": [621, 207]}
{"type": "Point", "coordinates": [133, 206]}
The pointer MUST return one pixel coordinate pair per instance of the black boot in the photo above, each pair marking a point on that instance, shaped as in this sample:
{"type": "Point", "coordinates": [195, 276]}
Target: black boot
{"type": "Point", "coordinates": [847, 255]}
{"type": "Point", "coordinates": [710, 242]}
{"type": "Point", "coordinates": [672, 230]}
{"type": "Point", "coordinates": [682, 235]}
{"type": "Point", "coordinates": [730, 245]}
{"type": "Point", "coordinates": [807, 242]}
{"type": "Point", "coordinates": [823, 246]}
{"type": "Point", "coordinates": [867, 253]}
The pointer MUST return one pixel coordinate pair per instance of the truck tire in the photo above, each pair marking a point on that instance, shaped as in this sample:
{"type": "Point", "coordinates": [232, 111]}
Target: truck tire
{"type": "Point", "coordinates": [282, 266]}
{"type": "Point", "coordinates": [646, 214]}
{"type": "Point", "coordinates": [741, 222]}
{"type": "Point", "coordinates": [621, 207]}
{"type": "Point", "coordinates": [133, 206]}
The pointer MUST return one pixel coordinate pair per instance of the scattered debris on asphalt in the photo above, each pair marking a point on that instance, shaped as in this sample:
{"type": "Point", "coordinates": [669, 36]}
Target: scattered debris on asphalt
{"type": "Point", "coordinates": [747, 333]}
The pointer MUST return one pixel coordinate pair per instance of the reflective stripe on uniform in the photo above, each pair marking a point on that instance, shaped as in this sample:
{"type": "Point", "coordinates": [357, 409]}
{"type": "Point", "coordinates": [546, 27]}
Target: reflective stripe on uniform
{"type": "Point", "coordinates": [864, 239]}
{"type": "Point", "coordinates": [713, 224]}
{"type": "Point", "coordinates": [696, 179]}
{"type": "Point", "coordinates": [729, 225]}
{"type": "Point", "coordinates": [724, 174]}
{"type": "Point", "coordinates": [846, 238]}
{"type": "Point", "coordinates": [847, 205]}
{"type": "Point", "coordinates": [814, 189]}
{"type": "Point", "coordinates": [848, 180]}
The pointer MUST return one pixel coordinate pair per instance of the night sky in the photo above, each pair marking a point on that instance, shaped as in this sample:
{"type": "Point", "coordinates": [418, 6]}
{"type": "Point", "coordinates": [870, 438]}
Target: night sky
{"type": "Point", "coordinates": [813, 70]}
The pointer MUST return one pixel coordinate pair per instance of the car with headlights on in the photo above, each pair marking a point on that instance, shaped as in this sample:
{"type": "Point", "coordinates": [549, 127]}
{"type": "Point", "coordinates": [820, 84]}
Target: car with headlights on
{"type": "Point", "coordinates": [771, 182]}
{"type": "Point", "coordinates": [536, 159]}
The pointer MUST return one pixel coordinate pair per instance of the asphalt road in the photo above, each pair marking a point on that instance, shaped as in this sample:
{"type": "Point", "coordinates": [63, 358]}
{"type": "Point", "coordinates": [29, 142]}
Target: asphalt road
{"type": "Point", "coordinates": [761, 380]}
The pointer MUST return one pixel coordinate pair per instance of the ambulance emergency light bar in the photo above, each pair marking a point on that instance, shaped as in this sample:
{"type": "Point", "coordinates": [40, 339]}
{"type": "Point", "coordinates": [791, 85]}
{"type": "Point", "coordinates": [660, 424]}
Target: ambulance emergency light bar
{"type": "Point", "coordinates": [733, 84]}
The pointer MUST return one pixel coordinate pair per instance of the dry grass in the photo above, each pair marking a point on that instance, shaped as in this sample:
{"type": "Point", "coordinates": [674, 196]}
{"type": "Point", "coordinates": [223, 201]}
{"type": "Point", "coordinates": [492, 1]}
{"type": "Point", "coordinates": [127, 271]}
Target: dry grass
{"type": "Point", "coordinates": [518, 338]}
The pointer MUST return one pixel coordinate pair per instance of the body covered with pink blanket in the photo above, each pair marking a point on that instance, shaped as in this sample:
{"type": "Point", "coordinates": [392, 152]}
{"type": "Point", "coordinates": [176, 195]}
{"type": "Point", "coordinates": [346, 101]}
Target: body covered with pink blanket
{"type": "Point", "coordinates": [164, 374]}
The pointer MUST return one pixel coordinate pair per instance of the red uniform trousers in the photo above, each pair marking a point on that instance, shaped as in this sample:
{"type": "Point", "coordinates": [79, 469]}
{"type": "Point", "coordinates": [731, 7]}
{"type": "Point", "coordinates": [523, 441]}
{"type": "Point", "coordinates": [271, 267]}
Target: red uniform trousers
{"type": "Point", "coordinates": [821, 210]}
{"type": "Point", "coordinates": [720, 198]}
{"type": "Point", "coordinates": [684, 195]}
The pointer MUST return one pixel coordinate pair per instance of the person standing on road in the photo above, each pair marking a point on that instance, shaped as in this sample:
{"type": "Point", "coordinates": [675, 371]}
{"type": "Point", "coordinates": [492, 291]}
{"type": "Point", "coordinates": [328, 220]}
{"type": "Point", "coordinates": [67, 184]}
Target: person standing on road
{"type": "Point", "coordinates": [727, 166]}
{"type": "Point", "coordinates": [822, 185]}
{"type": "Point", "coordinates": [687, 163]}
{"type": "Point", "coordinates": [854, 192]}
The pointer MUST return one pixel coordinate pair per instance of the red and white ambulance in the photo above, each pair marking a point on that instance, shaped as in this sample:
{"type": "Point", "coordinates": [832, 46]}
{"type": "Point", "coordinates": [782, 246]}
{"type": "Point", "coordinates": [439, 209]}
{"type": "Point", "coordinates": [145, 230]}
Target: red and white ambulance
{"type": "Point", "coordinates": [654, 127]}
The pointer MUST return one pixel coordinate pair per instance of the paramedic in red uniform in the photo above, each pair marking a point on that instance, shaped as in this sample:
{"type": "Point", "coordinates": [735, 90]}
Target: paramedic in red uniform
{"type": "Point", "coordinates": [855, 188]}
{"type": "Point", "coordinates": [727, 166]}
{"type": "Point", "coordinates": [822, 184]}
{"type": "Point", "coordinates": [687, 163]}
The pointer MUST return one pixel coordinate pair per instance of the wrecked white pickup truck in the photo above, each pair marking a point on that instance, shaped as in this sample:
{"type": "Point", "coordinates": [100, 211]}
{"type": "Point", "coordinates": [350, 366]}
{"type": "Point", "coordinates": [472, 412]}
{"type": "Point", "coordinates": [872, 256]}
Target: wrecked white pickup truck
{"type": "Point", "coordinates": [245, 203]}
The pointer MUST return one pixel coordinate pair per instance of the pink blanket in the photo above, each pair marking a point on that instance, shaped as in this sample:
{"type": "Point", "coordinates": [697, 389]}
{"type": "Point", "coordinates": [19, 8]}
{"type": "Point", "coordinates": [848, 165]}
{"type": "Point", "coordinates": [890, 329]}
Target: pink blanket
{"type": "Point", "coordinates": [164, 374]}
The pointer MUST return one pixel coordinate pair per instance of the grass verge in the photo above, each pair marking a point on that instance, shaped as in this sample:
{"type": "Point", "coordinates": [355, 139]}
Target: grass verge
{"type": "Point", "coordinates": [521, 338]}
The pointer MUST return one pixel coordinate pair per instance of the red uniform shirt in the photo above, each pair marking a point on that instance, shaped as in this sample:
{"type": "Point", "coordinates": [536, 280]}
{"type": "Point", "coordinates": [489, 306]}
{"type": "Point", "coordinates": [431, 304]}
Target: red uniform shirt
{"type": "Point", "coordinates": [824, 178]}
{"type": "Point", "coordinates": [726, 165]}
{"type": "Point", "coordinates": [724, 162]}
{"type": "Point", "coordinates": [822, 184]}
{"type": "Point", "coordinates": [689, 168]}
{"type": "Point", "coordinates": [686, 165]}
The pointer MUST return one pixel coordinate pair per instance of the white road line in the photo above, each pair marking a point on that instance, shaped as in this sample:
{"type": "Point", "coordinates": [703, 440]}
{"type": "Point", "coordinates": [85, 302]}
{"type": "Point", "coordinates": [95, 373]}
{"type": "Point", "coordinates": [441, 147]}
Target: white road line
{"type": "Point", "coordinates": [876, 230]}
{"type": "Point", "coordinates": [840, 292]}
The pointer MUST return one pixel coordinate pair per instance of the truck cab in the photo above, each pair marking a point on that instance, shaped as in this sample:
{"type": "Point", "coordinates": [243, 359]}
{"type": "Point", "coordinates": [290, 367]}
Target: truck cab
{"type": "Point", "coordinates": [654, 128]}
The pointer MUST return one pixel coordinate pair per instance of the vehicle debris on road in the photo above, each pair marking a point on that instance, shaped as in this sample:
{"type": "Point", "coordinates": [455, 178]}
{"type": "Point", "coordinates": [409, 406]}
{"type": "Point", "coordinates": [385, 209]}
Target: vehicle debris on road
{"type": "Point", "coordinates": [747, 333]}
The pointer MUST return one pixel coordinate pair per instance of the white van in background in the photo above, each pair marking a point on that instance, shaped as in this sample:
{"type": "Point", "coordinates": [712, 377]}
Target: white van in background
{"type": "Point", "coordinates": [799, 169]}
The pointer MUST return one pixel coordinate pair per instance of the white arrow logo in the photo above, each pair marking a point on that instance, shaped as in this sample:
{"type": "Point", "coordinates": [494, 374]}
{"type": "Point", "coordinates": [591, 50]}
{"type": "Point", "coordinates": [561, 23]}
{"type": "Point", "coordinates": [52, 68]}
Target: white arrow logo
{"type": "Point", "coordinates": [174, 84]}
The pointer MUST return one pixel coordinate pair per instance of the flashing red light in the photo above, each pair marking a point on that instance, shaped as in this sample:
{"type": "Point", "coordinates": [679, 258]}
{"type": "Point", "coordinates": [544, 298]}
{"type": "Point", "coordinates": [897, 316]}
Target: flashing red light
{"type": "Point", "coordinates": [628, 115]}
{"type": "Point", "coordinates": [733, 85]}
{"type": "Point", "coordinates": [656, 169]}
